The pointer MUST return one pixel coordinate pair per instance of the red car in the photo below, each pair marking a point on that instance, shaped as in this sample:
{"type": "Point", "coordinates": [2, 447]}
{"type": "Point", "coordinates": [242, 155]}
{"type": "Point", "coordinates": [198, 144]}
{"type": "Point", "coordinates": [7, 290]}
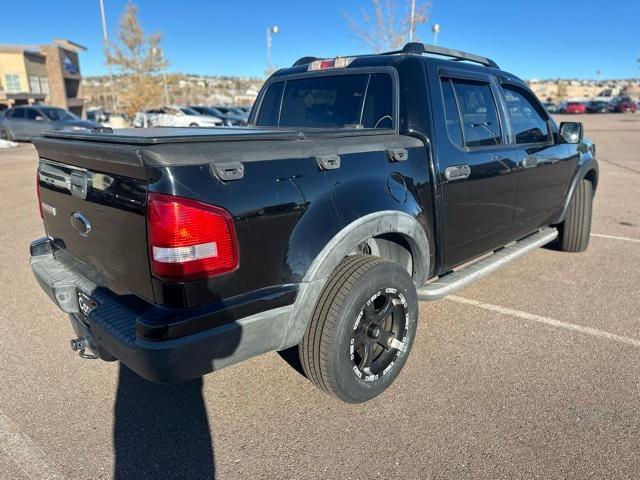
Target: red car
{"type": "Point", "coordinates": [625, 105]}
{"type": "Point", "coordinates": [574, 107]}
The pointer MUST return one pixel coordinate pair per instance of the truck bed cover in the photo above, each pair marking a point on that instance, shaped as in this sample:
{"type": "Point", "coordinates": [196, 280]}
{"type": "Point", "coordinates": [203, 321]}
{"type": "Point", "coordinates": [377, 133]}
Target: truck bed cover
{"type": "Point", "coordinates": [196, 146]}
{"type": "Point", "coordinates": [158, 135]}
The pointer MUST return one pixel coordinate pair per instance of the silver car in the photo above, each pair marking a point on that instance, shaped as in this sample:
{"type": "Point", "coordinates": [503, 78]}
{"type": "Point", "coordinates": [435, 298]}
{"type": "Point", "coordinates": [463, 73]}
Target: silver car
{"type": "Point", "coordinates": [24, 123]}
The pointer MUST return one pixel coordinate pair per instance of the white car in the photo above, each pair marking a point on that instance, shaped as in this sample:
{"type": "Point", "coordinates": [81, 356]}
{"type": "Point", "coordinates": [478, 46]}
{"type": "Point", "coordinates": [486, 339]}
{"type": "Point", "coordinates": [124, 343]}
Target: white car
{"type": "Point", "coordinates": [175, 116]}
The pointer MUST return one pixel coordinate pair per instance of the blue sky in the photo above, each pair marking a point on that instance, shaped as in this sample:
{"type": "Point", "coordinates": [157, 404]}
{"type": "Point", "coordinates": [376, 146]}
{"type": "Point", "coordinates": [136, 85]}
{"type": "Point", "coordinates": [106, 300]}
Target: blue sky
{"type": "Point", "coordinates": [541, 39]}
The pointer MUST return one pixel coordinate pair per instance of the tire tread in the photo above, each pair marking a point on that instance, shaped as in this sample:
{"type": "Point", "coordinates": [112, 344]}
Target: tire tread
{"type": "Point", "coordinates": [315, 350]}
{"type": "Point", "coordinates": [576, 228]}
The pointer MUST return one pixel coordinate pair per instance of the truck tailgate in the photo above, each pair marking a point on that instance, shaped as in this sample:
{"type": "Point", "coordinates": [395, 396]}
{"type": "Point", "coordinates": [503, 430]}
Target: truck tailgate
{"type": "Point", "coordinates": [93, 202]}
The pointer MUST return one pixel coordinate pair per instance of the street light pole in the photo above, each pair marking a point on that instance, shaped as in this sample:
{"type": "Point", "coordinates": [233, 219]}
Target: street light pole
{"type": "Point", "coordinates": [105, 38]}
{"type": "Point", "coordinates": [274, 29]}
{"type": "Point", "coordinates": [157, 51]}
{"type": "Point", "coordinates": [166, 88]}
{"type": "Point", "coordinates": [412, 20]}
{"type": "Point", "coordinates": [436, 30]}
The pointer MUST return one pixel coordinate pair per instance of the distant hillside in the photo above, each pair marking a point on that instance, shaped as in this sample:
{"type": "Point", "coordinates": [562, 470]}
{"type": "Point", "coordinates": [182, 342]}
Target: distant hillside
{"type": "Point", "coordinates": [557, 89]}
{"type": "Point", "coordinates": [225, 90]}
{"type": "Point", "coordinates": [182, 89]}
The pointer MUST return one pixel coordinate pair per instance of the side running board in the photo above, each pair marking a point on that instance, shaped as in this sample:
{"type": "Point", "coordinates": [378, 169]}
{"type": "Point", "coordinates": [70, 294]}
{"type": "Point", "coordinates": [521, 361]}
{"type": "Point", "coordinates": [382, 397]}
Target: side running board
{"type": "Point", "coordinates": [451, 282]}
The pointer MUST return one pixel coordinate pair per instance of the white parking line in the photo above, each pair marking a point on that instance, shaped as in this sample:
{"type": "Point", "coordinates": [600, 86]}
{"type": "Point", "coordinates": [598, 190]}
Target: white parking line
{"type": "Point", "coordinates": [30, 458]}
{"type": "Point", "coordinates": [613, 237]}
{"type": "Point", "coordinates": [547, 321]}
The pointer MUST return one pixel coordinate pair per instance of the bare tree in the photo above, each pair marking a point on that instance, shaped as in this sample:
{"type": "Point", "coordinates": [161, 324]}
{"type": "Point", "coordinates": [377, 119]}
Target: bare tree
{"type": "Point", "coordinates": [385, 26]}
{"type": "Point", "coordinates": [138, 58]}
{"type": "Point", "coordinates": [562, 90]}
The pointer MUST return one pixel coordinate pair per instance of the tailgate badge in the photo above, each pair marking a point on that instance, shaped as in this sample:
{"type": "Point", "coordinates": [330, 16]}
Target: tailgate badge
{"type": "Point", "coordinates": [81, 224]}
{"type": "Point", "coordinates": [49, 209]}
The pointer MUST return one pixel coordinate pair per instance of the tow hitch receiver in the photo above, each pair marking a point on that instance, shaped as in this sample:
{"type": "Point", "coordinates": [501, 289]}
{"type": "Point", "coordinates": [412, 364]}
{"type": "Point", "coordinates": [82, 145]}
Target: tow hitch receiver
{"type": "Point", "coordinates": [80, 345]}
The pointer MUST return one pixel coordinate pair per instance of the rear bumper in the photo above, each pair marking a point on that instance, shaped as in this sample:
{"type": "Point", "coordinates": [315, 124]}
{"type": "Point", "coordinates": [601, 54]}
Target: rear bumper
{"type": "Point", "coordinates": [113, 326]}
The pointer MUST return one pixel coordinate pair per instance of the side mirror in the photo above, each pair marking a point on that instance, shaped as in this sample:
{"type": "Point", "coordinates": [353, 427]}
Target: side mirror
{"type": "Point", "coordinates": [571, 132]}
{"type": "Point", "coordinates": [39, 118]}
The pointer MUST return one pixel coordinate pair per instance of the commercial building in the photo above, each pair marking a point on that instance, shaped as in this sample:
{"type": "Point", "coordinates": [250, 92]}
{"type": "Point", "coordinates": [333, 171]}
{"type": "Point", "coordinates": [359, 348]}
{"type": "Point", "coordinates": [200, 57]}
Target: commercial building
{"type": "Point", "coordinates": [581, 90]}
{"type": "Point", "coordinates": [47, 74]}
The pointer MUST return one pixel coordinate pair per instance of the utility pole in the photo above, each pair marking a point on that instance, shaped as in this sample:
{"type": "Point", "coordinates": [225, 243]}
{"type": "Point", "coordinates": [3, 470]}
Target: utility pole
{"type": "Point", "coordinates": [105, 38]}
{"type": "Point", "coordinates": [412, 20]}
{"type": "Point", "coordinates": [274, 29]}
{"type": "Point", "coordinates": [158, 52]}
{"type": "Point", "coordinates": [436, 30]}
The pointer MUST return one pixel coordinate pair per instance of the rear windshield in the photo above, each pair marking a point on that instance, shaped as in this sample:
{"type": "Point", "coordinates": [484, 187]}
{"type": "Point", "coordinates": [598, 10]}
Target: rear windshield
{"type": "Point", "coordinates": [340, 101]}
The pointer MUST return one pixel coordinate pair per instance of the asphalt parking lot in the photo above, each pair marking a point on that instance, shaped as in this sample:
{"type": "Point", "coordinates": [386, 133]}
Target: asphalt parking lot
{"type": "Point", "coordinates": [533, 372]}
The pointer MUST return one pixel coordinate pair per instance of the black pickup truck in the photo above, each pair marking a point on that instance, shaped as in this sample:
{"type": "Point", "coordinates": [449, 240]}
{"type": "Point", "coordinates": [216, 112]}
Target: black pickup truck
{"type": "Point", "coordinates": [362, 185]}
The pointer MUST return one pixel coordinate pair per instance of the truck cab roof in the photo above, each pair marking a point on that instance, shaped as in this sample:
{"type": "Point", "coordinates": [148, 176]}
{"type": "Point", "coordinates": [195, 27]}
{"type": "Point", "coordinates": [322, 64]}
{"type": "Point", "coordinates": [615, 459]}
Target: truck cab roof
{"type": "Point", "coordinates": [411, 52]}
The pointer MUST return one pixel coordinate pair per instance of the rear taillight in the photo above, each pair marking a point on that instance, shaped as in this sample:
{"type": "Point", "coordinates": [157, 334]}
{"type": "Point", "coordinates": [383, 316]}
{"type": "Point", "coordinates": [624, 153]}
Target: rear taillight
{"type": "Point", "coordinates": [38, 192]}
{"type": "Point", "coordinates": [189, 239]}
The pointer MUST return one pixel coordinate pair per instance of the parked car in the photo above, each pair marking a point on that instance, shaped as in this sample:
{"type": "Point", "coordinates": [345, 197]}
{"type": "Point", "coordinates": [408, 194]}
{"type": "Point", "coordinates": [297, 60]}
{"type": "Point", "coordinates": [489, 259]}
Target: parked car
{"type": "Point", "coordinates": [314, 228]}
{"type": "Point", "coordinates": [597, 106]}
{"type": "Point", "coordinates": [98, 115]}
{"type": "Point", "coordinates": [551, 107]}
{"type": "Point", "coordinates": [243, 113]}
{"type": "Point", "coordinates": [624, 105]}
{"type": "Point", "coordinates": [175, 116]}
{"type": "Point", "coordinates": [573, 107]}
{"type": "Point", "coordinates": [226, 114]}
{"type": "Point", "coordinates": [244, 109]}
{"type": "Point", "coordinates": [26, 122]}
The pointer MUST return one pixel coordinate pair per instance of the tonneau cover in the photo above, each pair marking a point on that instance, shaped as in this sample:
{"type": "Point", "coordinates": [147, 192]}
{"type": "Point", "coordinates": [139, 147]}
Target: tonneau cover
{"type": "Point", "coordinates": [130, 150]}
{"type": "Point", "coordinates": [149, 136]}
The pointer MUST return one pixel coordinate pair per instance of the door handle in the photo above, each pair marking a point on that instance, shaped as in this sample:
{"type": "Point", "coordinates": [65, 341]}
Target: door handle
{"type": "Point", "coordinates": [530, 162]}
{"type": "Point", "coordinates": [457, 172]}
{"type": "Point", "coordinates": [397, 154]}
{"type": "Point", "coordinates": [328, 162]}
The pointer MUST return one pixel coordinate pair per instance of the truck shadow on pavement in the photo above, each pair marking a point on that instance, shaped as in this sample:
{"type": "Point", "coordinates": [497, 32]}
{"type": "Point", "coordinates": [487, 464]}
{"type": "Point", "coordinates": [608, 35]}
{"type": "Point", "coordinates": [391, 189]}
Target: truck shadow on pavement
{"type": "Point", "coordinates": [161, 431]}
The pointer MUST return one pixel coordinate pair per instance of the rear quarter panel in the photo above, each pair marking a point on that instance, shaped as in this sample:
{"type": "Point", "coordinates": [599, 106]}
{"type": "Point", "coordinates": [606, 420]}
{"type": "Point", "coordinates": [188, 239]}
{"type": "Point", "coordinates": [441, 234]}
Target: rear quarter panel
{"type": "Point", "coordinates": [287, 210]}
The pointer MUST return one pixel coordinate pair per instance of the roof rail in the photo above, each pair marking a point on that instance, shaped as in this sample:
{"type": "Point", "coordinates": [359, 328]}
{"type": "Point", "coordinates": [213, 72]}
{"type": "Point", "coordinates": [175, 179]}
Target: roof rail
{"type": "Point", "coordinates": [305, 61]}
{"type": "Point", "coordinates": [420, 48]}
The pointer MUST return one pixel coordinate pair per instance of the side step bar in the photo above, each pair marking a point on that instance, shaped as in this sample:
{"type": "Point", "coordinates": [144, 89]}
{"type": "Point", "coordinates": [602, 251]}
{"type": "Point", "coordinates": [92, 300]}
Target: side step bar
{"type": "Point", "coordinates": [451, 282]}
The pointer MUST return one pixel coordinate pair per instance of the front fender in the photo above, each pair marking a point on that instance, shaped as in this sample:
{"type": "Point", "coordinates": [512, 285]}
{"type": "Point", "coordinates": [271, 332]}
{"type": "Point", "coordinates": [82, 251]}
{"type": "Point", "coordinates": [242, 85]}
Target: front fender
{"type": "Point", "coordinates": [587, 167]}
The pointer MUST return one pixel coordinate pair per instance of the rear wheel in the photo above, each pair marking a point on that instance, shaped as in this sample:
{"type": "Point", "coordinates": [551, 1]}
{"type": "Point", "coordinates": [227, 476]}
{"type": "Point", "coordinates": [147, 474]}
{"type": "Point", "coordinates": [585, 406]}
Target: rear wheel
{"type": "Point", "coordinates": [574, 232]}
{"type": "Point", "coordinates": [193, 125]}
{"type": "Point", "coordinates": [362, 329]}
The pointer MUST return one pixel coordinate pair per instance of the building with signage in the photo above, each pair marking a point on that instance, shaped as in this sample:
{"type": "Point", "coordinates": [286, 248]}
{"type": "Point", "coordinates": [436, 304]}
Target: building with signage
{"type": "Point", "coordinates": [48, 74]}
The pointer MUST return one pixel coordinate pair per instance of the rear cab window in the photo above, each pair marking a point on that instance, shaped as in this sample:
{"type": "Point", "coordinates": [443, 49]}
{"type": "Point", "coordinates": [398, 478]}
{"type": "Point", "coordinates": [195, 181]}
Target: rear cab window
{"type": "Point", "coordinates": [358, 100]}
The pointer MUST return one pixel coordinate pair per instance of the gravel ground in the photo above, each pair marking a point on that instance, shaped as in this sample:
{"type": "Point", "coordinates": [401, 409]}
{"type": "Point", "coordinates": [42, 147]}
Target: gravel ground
{"type": "Point", "coordinates": [533, 372]}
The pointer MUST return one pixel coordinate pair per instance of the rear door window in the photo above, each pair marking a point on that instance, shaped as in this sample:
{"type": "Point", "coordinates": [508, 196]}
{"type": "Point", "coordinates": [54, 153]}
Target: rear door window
{"type": "Point", "coordinates": [17, 113]}
{"type": "Point", "coordinates": [451, 113]}
{"type": "Point", "coordinates": [478, 113]}
{"type": "Point", "coordinates": [339, 101]}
